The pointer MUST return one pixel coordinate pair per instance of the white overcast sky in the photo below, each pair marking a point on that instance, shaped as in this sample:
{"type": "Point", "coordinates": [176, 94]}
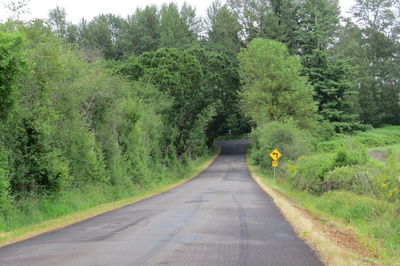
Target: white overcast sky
{"type": "Point", "coordinates": [77, 9]}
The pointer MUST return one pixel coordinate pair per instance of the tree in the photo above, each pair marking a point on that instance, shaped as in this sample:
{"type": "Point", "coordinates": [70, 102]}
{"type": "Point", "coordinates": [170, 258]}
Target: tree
{"type": "Point", "coordinates": [174, 32]}
{"type": "Point", "coordinates": [318, 21]}
{"type": "Point", "coordinates": [178, 76]}
{"type": "Point", "coordinates": [141, 32]}
{"type": "Point", "coordinates": [334, 91]}
{"type": "Point", "coordinates": [190, 19]}
{"type": "Point", "coordinates": [330, 76]}
{"type": "Point", "coordinates": [58, 21]}
{"type": "Point", "coordinates": [370, 42]}
{"type": "Point", "coordinates": [18, 8]}
{"type": "Point", "coordinates": [273, 88]}
{"type": "Point", "coordinates": [12, 65]}
{"type": "Point", "coordinates": [281, 23]}
{"type": "Point", "coordinates": [249, 13]}
{"type": "Point", "coordinates": [224, 29]}
{"type": "Point", "coordinates": [104, 33]}
{"type": "Point", "coordinates": [221, 88]}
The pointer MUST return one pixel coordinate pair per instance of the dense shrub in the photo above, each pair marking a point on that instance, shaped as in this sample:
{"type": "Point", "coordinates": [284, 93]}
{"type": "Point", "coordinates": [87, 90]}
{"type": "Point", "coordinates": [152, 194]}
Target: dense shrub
{"type": "Point", "coordinates": [352, 154]}
{"type": "Point", "coordinates": [308, 172]}
{"type": "Point", "coordinates": [345, 178]}
{"type": "Point", "coordinates": [289, 140]}
{"type": "Point", "coordinates": [76, 124]}
{"type": "Point", "coordinates": [331, 171]}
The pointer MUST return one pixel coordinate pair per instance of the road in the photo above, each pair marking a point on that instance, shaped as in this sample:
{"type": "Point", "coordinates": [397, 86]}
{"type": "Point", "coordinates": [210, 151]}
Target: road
{"type": "Point", "coordinates": [222, 217]}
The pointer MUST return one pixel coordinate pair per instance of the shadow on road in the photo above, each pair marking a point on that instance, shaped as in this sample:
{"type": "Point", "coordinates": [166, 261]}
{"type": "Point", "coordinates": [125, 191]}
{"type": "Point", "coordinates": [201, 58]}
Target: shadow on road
{"type": "Point", "coordinates": [232, 147]}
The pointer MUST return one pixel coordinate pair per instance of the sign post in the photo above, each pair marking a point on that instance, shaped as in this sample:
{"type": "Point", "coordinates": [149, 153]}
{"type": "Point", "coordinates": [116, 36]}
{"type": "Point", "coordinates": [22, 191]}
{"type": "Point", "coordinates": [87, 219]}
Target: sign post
{"type": "Point", "coordinates": [275, 155]}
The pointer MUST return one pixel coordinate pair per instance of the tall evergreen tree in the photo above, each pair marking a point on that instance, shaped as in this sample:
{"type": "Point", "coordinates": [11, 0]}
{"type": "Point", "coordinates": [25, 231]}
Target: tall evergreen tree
{"type": "Point", "coordinates": [224, 29]}
{"type": "Point", "coordinates": [250, 14]}
{"type": "Point", "coordinates": [174, 32]}
{"type": "Point", "coordinates": [280, 23]}
{"type": "Point", "coordinates": [104, 33]}
{"type": "Point", "coordinates": [142, 31]}
{"type": "Point", "coordinates": [330, 76]}
{"type": "Point", "coordinates": [374, 34]}
{"type": "Point", "coordinates": [319, 22]}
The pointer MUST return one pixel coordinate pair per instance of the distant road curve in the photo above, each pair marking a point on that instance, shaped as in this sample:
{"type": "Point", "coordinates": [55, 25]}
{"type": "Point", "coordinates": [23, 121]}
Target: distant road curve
{"type": "Point", "coordinates": [221, 217]}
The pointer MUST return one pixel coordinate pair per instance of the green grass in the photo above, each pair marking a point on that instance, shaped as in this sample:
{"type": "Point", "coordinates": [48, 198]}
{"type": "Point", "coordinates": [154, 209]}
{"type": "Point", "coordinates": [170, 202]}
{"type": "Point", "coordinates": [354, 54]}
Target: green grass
{"type": "Point", "coordinates": [372, 138]}
{"type": "Point", "coordinates": [387, 150]}
{"type": "Point", "coordinates": [32, 215]}
{"type": "Point", "coordinates": [376, 221]}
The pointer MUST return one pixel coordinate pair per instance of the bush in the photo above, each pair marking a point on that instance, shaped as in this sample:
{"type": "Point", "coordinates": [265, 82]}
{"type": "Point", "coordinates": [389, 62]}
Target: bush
{"type": "Point", "coordinates": [350, 156]}
{"type": "Point", "coordinates": [308, 173]}
{"type": "Point", "coordinates": [289, 140]}
{"type": "Point", "coordinates": [329, 171]}
{"type": "Point", "coordinates": [344, 178]}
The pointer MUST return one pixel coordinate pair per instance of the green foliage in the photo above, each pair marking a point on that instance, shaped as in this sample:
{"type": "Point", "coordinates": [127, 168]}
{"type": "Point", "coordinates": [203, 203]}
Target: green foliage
{"type": "Point", "coordinates": [340, 164]}
{"type": "Point", "coordinates": [351, 155]}
{"type": "Point", "coordinates": [141, 33]}
{"type": "Point", "coordinates": [368, 42]}
{"type": "Point", "coordinates": [103, 33]}
{"type": "Point", "coordinates": [333, 90]}
{"type": "Point", "coordinates": [222, 85]}
{"type": "Point", "coordinates": [5, 199]}
{"type": "Point", "coordinates": [308, 172]}
{"type": "Point", "coordinates": [174, 33]}
{"type": "Point", "coordinates": [193, 82]}
{"type": "Point", "coordinates": [319, 173]}
{"type": "Point", "coordinates": [224, 29]}
{"type": "Point", "coordinates": [318, 23]}
{"type": "Point", "coordinates": [375, 218]}
{"type": "Point", "coordinates": [11, 67]}
{"type": "Point", "coordinates": [249, 14]}
{"type": "Point", "coordinates": [273, 88]}
{"type": "Point", "coordinates": [289, 140]}
{"type": "Point", "coordinates": [345, 178]}
{"type": "Point", "coordinates": [281, 23]}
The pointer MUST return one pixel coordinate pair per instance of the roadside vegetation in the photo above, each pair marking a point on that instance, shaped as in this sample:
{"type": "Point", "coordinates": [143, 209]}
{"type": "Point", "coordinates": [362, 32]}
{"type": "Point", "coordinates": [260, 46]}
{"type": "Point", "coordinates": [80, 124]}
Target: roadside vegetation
{"type": "Point", "coordinates": [113, 107]}
{"type": "Point", "coordinates": [78, 129]}
{"type": "Point", "coordinates": [339, 179]}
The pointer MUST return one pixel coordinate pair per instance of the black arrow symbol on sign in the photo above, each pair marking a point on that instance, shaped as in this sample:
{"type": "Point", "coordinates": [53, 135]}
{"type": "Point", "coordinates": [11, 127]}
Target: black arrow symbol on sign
{"type": "Point", "coordinates": [276, 155]}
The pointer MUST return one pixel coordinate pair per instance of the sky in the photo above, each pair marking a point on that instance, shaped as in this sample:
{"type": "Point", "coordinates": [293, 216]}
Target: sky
{"type": "Point", "coordinates": [77, 9]}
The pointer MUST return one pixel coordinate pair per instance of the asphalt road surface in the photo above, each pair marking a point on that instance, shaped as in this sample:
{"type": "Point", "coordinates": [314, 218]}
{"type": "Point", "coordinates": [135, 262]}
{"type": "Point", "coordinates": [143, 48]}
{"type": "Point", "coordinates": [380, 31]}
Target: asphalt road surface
{"type": "Point", "coordinates": [221, 217]}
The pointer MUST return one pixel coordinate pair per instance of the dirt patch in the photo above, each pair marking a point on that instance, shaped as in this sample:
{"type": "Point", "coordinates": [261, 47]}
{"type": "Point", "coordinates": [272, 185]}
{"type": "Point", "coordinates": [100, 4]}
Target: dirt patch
{"type": "Point", "coordinates": [342, 236]}
{"type": "Point", "coordinates": [378, 155]}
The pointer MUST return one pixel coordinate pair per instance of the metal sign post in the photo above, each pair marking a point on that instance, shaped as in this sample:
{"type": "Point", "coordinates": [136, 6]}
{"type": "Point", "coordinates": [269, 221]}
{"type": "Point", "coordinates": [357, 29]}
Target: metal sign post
{"type": "Point", "coordinates": [274, 174]}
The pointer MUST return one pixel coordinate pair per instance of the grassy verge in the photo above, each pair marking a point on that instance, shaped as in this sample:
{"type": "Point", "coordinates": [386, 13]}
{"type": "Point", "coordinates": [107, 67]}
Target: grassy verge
{"type": "Point", "coordinates": [77, 205]}
{"type": "Point", "coordinates": [345, 228]}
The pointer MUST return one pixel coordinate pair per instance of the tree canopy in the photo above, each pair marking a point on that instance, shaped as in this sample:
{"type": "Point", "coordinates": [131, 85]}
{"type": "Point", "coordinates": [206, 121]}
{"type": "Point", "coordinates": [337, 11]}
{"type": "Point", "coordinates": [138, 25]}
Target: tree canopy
{"type": "Point", "coordinates": [273, 88]}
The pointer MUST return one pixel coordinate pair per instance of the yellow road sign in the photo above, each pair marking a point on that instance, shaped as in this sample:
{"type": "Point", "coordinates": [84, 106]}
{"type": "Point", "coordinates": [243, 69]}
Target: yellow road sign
{"type": "Point", "coordinates": [275, 155]}
{"type": "Point", "coordinates": [275, 164]}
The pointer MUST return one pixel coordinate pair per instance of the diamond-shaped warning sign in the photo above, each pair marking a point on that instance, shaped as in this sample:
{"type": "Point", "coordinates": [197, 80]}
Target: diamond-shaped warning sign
{"type": "Point", "coordinates": [275, 155]}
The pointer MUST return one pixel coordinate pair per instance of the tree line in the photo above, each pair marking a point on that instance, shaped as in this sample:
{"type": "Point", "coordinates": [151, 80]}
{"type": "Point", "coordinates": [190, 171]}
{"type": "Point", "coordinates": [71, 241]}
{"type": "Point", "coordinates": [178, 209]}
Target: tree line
{"type": "Point", "coordinates": [351, 63]}
{"type": "Point", "coordinates": [118, 101]}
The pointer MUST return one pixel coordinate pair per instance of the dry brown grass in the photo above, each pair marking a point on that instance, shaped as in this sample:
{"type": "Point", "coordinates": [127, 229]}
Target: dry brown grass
{"type": "Point", "coordinates": [334, 243]}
